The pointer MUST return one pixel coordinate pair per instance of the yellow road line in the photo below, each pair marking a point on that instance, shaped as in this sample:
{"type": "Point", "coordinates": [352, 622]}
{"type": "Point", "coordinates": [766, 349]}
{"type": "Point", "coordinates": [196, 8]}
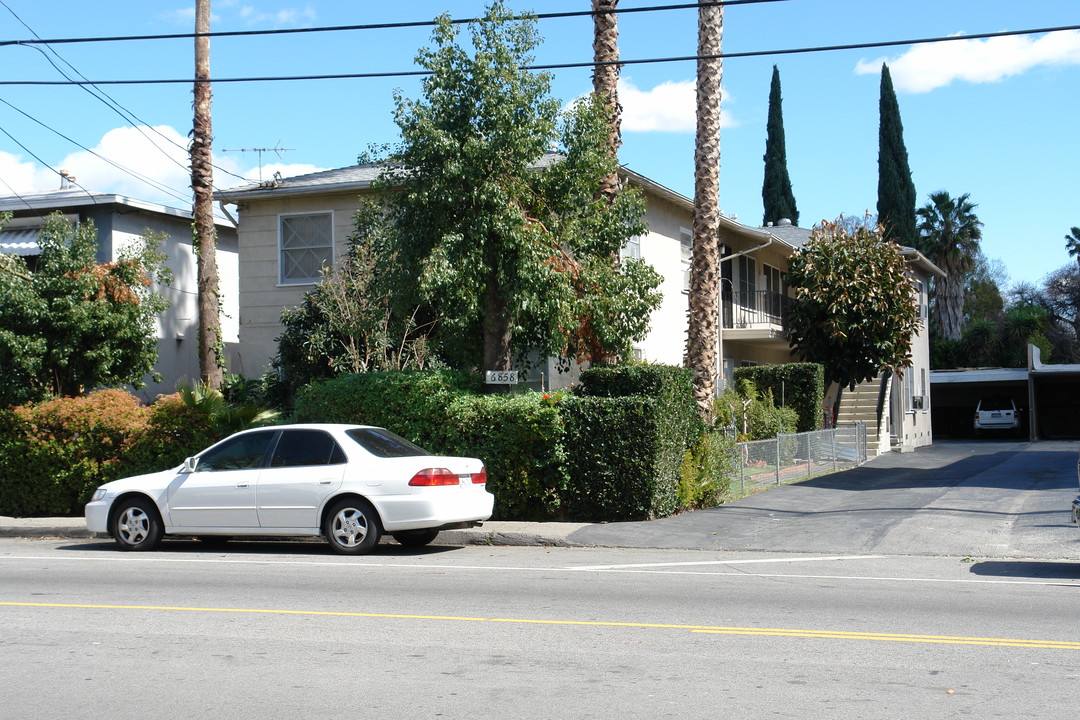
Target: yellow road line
{"type": "Point", "coordinates": [704, 629]}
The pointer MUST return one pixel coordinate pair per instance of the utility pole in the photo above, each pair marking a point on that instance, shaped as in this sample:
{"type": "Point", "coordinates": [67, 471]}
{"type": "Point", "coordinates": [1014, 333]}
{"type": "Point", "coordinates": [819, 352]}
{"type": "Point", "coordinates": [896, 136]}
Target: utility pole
{"type": "Point", "coordinates": [211, 345]}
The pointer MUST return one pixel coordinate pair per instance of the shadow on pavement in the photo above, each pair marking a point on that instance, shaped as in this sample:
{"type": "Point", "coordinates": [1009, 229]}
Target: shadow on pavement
{"type": "Point", "coordinates": [259, 547]}
{"type": "Point", "coordinates": [1028, 569]}
{"type": "Point", "coordinates": [899, 471]}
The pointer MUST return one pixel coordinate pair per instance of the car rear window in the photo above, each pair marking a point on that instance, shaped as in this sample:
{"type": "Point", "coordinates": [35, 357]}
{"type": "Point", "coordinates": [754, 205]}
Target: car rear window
{"type": "Point", "coordinates": [996, 403]}
{"type": "Point", "coordinates": [385, 444]}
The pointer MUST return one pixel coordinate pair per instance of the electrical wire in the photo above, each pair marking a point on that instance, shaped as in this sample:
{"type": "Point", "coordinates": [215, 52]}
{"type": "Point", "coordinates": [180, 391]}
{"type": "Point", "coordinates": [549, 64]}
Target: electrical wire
{"type": "Point", "coordinates": [128, 116]}
{"type": "Point", "coordinates": [45, 164]}
{"type": "Point", "coordinates": [380, 26]}
{"type": "Point", "coordinates": [564, 66]}
{"type": "Point", "coordinates": [135, 174]}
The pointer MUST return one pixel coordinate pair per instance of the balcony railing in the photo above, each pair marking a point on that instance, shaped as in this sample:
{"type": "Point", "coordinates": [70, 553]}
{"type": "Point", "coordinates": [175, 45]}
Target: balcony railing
{"type": "Point", "coordinates": [760, 309]}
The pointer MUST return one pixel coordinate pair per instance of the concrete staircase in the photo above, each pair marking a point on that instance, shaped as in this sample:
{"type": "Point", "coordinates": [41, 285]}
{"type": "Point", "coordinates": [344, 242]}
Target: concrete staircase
{"type": "Point", "coordinates": [867, 403]}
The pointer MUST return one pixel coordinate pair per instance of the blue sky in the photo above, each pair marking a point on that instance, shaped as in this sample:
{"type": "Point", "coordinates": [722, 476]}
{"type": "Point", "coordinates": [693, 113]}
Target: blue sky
{"type": "Point", "coordinates": [995, 119]}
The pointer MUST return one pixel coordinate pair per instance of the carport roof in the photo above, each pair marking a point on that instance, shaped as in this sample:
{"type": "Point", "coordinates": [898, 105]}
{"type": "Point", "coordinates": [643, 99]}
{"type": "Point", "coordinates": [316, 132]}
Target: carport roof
{"type": "Point", "coordinates": [979, 375]}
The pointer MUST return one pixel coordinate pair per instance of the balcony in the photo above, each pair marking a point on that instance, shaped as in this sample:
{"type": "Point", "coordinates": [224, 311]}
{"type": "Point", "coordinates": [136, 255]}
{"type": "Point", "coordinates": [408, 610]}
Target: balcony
{"type": "Point", "coordinates": [762, 313]}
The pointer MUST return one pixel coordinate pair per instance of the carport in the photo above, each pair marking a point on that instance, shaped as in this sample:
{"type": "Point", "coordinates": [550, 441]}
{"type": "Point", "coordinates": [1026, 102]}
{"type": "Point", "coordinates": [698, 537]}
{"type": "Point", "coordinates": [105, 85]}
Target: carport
{"type": "Point", "coordinates": [955, 393]}
{"type": "Point", "coordinates": [1048, 397]}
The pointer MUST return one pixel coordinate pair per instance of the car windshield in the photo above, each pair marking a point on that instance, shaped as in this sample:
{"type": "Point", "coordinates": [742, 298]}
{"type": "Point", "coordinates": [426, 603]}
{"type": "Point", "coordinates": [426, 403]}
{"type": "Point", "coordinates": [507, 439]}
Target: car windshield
{"type": "Point", "coordinates": [385, 444]}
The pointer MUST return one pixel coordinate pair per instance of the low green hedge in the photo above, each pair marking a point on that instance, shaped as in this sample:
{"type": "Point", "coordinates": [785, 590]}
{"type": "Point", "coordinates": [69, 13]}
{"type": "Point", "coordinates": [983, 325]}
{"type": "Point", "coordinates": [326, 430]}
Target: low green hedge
{"type": "Point", "coordinates": [800, 386]}
{"type": "Point", "coordinates": [412, 403]}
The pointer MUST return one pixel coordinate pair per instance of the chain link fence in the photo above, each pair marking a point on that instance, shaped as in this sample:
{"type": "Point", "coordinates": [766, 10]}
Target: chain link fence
{"type": "Point", "coordinates": [791, 458]}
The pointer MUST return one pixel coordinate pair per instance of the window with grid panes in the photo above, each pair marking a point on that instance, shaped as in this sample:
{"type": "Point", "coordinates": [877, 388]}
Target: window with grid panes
{"type": "Point", "coordinates": [307, 244]}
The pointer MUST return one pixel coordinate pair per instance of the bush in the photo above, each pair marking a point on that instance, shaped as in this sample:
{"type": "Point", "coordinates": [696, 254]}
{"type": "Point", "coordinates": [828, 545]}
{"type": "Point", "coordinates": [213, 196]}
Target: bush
{"type": "Point", "coordinates": [753, 414]}
{"type": "Point", "coordinates": [706, 472]}
{"type": "Point", "coordinates": [53, 455]}
{"type": "Point", "coordinates": [616, 460]}
{"type": "Point", "coordinates": [799, 386]}
{"type": "Point", "coordinates": [520, 438]}
{"type": "Point", "coordinates": [173, 431]}
{"type": "Point", "coordinates": [411, 403]}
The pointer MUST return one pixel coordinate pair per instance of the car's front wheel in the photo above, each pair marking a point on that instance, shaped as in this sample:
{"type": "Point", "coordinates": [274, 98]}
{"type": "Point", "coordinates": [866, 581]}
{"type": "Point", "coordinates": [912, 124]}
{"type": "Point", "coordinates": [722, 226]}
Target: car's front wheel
{"type": "Point", "coordinates": [136, 525]}
{"type": "Point", "coordinates": [416, 538]}
{"type": "Point", "coordinates": [352, 527]}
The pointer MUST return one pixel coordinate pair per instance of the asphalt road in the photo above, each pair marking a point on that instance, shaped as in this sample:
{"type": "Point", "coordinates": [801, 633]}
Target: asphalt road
{"type": "Point", "coordinates": [287, 630]}
{"type": "Point", "coordinates": [964, 499]}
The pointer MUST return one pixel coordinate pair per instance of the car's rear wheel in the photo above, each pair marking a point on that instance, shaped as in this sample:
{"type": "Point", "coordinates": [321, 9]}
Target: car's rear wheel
{"type": "Point", "coordinates": [136, 525]}
{"type": "Point", "coordinates": [352, 527]}
{"type": "Point", "coordinates": [416, 538]}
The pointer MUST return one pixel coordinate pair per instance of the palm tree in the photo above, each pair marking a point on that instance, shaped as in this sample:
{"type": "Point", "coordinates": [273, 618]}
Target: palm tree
{"type": "Point", "coordinates": [703, 342]}
{"type": "Point", "coordinates": [949, 234]}
{"type": "Point", "coordinates": [605, 82]}
{"type": "Point", "coordinates": [1072, 242]}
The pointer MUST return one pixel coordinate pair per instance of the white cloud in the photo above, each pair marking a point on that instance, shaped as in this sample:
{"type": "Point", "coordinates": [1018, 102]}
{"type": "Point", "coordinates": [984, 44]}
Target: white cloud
{"type": "Point", "coordinates": [669, 107]}
{"type": "Point", "coordinates": [20, 176]}
{"type": "Point", "coordinates": [148, 158]}
{"type": "Point", "coordinates": [291, 17]}
{"type": "Point", "coordinates": [926, 67]}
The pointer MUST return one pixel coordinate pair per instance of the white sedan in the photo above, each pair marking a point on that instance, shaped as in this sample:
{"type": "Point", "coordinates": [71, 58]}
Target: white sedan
{"type": "Point", "coordinates": [348, 483]}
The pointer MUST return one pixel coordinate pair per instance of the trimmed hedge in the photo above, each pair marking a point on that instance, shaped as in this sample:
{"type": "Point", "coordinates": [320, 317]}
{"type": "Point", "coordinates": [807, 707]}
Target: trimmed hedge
{"type": "Point", "coordinates": [412, 403]}
{"type": "Point", "coordinates": [617, 463]}
{"type": "Point", "coordinates": [627, 439]}
{"type": "Point", "coordinates": [800, 386]}
{"type": "Point", "coordinates": [521, 439]}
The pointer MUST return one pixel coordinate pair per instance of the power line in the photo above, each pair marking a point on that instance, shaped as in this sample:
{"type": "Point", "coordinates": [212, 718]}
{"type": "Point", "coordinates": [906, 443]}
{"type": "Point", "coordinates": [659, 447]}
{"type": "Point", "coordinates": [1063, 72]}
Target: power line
{"type": "Point", "coordinates": [378, 26]}
{"type": "Point", "coordinates": [137, 175]}
{"type": "Point", "coordinates": [44, 164]}
{"type": "Point", "coordinates": [111, 103]}
{"type": "Point", "coordinates": [564, 66]}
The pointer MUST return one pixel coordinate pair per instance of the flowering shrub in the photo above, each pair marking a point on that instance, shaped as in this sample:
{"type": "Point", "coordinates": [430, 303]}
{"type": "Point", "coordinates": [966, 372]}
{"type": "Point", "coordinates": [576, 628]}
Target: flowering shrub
{"type": "Point", "coordinates": [54, 454]}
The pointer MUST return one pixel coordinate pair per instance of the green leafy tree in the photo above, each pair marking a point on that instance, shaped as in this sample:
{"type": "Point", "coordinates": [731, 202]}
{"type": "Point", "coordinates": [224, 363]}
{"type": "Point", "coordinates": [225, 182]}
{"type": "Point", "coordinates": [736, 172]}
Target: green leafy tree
{"type": "Point", "coordinates": [854, 311]}
{"type": "Point", "coordinates": [510, 259]}
{"type": "Point", "coordinates": [776, 191]}
{"type": "Point", "coordinates": [949, 234]}
{"type": "Point", "coordinates": [896, 190]}
{"type": "Point", "coordinates": [74, 324]}
{"type": "Point", "coordinates": [346, 323]}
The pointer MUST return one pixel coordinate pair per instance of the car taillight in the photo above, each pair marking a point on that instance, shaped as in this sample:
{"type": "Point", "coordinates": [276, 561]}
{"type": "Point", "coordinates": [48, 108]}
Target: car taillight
{"type": "Point", "coordinates": [481, 477]}
{"type": "Point", "coordinates": [434, 476]}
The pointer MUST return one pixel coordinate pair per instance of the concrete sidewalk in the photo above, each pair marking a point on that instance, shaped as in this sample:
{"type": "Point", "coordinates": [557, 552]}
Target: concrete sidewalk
{"type": "Point", "coordinates": [491, 533]}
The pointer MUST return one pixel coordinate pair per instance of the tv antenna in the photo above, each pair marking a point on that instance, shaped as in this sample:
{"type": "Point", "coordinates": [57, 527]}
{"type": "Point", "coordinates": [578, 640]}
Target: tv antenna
{"type": "Point", "coordinates": [277, 150]}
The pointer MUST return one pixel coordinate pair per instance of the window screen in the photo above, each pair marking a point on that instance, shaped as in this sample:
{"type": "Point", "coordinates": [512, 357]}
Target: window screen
{"type": "Point", "coordinates": [307, 244]}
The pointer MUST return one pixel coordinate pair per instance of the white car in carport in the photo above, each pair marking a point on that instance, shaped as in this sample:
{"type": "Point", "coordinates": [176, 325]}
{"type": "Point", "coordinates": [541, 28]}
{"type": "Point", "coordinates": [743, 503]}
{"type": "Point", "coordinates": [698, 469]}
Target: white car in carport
{"type": "Point", "coordinates": [348, 483]}
{"type": "Point", "coordinates": [996, 413]}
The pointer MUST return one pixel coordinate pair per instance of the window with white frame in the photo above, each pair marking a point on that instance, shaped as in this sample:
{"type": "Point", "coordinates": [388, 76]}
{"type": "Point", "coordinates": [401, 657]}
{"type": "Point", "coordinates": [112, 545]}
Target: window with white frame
{"type": "Point", "coordinates": [632, 248]}
{"type": "Point", "coordinates": [306, 244]}
{"type": "Point", "coordinates": [909, 389]}
{"type": "Point", "coordinates": [686, 247]}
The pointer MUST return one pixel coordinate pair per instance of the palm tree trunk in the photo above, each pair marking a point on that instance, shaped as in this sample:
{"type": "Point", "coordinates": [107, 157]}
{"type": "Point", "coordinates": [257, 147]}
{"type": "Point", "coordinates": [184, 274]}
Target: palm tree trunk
{"type": "Point", "coordinates": [202, 182]}
{"type": "Point", "coordinates": [703, 341]}
{"type": "Point", "coordinates": [605, 82]}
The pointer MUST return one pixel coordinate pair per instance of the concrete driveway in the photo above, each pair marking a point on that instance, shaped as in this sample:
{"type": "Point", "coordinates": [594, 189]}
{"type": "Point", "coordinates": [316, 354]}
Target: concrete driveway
{"type": "Point", "coordinates": [967, 499]}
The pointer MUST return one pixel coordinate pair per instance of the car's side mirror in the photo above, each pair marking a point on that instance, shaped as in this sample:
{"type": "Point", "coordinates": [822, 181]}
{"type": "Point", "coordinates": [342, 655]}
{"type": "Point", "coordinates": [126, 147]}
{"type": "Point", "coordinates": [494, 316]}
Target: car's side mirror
{"type": "Point", "coordinates": [190, 464]}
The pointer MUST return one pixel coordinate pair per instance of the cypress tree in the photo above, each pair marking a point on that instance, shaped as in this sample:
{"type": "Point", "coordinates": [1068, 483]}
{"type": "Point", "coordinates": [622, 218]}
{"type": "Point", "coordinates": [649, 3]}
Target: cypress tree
{"type": "Point", "coordinates": [776, 191]}
{"type": "Point", "coordinates": [896, 191]}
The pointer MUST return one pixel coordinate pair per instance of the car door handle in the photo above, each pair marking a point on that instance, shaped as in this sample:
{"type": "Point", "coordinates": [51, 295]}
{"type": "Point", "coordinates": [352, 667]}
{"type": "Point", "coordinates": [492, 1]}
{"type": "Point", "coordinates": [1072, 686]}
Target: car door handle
{"type": "Point", "coordinates": [325, 482]}
{"type": "Point", "coordinates": [243, 485]}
